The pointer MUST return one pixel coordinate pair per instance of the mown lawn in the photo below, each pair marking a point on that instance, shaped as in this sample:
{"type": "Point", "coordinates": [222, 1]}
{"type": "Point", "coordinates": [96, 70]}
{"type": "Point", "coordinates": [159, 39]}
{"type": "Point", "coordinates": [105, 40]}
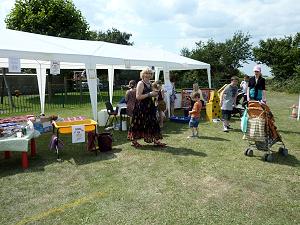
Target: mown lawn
{"type": "Point", "coordinates": [198, 181]}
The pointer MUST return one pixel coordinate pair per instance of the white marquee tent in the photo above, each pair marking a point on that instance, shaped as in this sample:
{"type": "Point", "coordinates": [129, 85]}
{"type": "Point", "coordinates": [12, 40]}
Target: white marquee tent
{"type": "Point", "coordinates": [36, 51]}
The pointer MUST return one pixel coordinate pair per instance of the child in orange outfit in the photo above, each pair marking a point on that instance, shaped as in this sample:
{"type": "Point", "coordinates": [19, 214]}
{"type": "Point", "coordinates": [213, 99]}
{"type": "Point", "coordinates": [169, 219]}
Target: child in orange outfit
{"type": "Point", "coordinates": [195, 115]}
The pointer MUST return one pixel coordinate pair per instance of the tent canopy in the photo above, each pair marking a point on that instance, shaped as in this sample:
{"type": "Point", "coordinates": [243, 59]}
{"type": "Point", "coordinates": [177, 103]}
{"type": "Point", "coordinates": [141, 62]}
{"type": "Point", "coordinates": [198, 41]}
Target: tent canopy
{"type": "Point", "coordinates": [36, 51]}
{"type": "Point", "coordinates": [40, 47]}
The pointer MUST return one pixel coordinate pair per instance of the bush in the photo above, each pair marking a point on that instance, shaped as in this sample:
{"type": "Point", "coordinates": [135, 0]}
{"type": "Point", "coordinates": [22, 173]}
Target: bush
{"type": "Point", "coordinates": [291, 85]}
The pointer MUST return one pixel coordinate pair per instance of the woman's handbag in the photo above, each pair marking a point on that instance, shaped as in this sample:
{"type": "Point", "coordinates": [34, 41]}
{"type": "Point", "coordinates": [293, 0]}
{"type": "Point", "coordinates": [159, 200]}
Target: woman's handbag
{"type": "Point", "coordinates": [256, 129]}
{"type": "Point", "coordinates": [244, 121]}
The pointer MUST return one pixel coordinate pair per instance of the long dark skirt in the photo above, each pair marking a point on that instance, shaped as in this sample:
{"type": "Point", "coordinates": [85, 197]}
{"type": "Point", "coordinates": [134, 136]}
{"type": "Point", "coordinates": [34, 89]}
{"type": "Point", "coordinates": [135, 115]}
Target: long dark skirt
{"type": "Point", "coordinates": [144, 122]}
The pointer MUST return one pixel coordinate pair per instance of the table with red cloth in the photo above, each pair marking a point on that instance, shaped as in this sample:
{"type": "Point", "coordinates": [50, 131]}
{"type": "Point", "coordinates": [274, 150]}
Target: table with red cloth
{"type": "Point", "coordinates": [20, 144]}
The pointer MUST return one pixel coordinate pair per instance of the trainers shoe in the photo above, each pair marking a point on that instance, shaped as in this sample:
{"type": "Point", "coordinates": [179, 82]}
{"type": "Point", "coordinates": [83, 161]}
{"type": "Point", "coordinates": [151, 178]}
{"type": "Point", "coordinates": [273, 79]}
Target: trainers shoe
{"type": "Point", "coordinates": [229, 128]}
{"type": "Point", "coordinates": [226, 129]}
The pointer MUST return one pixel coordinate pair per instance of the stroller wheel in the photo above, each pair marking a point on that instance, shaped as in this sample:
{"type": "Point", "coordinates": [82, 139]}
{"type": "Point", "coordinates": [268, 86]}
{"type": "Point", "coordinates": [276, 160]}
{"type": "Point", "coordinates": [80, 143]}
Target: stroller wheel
{"type": "Point", "coordinates": [268, 157]}
{"type": "Point", "coordinates": [283, 151]}
{"type": "Point", "coordinates": [248, 152]}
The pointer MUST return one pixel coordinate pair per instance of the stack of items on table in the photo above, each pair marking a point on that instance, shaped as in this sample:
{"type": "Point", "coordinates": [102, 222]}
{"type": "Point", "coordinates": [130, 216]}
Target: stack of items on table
{"type": "Point", "coordinates": [11, 125]}
{"type": "Point", "coordinates": [75, 118]}
{"type": "Point", "coordinates": [43, 124]}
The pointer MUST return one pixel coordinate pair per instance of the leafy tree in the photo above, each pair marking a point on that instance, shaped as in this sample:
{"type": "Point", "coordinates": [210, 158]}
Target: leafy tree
{"type": "Point", "coordinates": [281, 55]}
{"type": "Point", "coordinates": [225, 58]}
{"type": "Point", "coordinates": [58, 18]}
{"type": "Point", "coordinates": [111, 35]}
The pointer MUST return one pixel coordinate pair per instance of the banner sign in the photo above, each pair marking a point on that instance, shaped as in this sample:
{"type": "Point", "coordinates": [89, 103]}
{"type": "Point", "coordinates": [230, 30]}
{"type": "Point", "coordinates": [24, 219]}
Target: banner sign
{"type": "Point", "coordinates": [78, 134]}
{"type": "Point", "coordinates": [55, 67]}
{"type": "Point", "coordinates": [14, 65]}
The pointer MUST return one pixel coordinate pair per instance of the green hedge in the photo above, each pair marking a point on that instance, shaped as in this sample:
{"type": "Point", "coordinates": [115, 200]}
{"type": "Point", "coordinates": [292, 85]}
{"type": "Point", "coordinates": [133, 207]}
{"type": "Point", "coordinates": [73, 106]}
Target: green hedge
{"type": "Point", "coordinates": [290, 85]}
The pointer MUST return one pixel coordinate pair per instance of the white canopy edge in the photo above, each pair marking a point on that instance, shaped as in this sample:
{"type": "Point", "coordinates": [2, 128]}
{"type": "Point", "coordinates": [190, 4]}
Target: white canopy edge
{"type": "Point", "coordinates": [36, 51]}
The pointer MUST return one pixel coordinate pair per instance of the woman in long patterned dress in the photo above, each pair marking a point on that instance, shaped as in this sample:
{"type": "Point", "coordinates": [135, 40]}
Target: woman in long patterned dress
{"type": "Point", "coordinates": [144, 121]}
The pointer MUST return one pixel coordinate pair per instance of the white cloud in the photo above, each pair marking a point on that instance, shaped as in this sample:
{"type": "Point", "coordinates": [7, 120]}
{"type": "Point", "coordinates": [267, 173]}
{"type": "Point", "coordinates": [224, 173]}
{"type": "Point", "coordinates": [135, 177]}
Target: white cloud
{"type": "Point", "coordinates": [6, 6]}
{"type": "Point", "coordinates": [174, 24]}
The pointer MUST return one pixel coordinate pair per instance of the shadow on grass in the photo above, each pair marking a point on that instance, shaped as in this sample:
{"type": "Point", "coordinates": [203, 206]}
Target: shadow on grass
{"type": "Point", "coordinates": [213, 138]}
{"type": "Point", "coordinates": [288, 132]}
{"type": "Point", "coordinates": [288, 160]}
{"type": "Point", "coordinates": [93, 157]}
{"type": "Point", "coordinates": [173, 150]}
{"type": "Point", "coordinates": [75, 154]}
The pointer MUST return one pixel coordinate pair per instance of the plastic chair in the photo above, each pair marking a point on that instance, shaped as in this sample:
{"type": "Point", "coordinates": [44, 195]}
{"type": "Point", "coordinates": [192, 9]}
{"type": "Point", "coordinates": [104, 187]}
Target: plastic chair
{"type": "Point", "coordinates": [111, 112]}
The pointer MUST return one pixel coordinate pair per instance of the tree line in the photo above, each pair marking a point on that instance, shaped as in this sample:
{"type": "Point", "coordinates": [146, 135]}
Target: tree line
{"type": "Point", "coordinates": [61, 18]}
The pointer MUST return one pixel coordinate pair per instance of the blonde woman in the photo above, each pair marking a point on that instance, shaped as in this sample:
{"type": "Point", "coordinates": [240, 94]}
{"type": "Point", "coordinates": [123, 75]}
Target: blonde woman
{"type": "Point", "coordinates": [144, 121]}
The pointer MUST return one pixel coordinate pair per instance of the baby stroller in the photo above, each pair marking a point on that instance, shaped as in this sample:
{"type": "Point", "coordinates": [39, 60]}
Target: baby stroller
{"type": "Point", "coordinates": [261, 132]}
{"type": "Point", "coordinates": [239, 106]}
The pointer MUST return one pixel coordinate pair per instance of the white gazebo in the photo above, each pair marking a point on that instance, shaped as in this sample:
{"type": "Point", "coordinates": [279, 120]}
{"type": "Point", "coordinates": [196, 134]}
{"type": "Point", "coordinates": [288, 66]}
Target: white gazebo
{"type": "Point", "coordinates": [37, 51]}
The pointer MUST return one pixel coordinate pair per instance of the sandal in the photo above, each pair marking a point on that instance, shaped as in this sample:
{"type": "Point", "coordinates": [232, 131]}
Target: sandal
{"type": "Point", "coordinates": [136, 144]}
{"type": "Point", "coordinates": [159, 144]}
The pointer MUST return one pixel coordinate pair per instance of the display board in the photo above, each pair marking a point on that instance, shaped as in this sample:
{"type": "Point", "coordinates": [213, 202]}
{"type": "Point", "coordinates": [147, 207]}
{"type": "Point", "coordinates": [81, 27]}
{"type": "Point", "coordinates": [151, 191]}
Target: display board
{"type": "Point", "coordinates": [185, 97]}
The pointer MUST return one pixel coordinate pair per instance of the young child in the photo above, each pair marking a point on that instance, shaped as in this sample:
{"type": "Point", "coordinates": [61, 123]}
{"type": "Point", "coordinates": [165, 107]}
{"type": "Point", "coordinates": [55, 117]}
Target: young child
{"type": "Point", "coordinates": [159, 102]}
{"type": "Point", "coordinates": [227, 102]}
{"type": "Point", "coordinates": [195, 114]}
{"type": "Point", "coordinates": [244, 87]}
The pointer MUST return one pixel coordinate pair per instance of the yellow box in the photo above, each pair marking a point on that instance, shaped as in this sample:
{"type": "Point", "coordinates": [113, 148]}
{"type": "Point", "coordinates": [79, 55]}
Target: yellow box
{"type": "Point", "coordinates": [65, 127]}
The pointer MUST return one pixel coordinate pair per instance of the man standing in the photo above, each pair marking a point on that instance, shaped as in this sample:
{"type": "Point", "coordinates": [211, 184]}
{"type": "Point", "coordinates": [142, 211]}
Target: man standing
{"type": "Point", "coordinates": [228, 101]}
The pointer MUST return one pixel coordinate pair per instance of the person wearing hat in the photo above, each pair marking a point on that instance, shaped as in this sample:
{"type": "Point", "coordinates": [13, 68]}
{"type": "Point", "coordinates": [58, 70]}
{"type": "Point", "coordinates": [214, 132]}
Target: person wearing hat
{"type": "Point", "coordinates": [257, 86]}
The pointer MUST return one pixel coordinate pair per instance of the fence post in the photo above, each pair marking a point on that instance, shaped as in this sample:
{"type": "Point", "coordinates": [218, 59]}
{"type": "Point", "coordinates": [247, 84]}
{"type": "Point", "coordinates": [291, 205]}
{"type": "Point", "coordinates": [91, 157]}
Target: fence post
{"type": "Point", "coordinates": [11, 102]}
{"type": "Point", "coordinates": [2, 90]}
{"type": "Point", "coordinates": [65, 88]}
{"type": "Point", "coordinates": [80, 88]}
{"type": "Point", "coordinates": [63, 99]}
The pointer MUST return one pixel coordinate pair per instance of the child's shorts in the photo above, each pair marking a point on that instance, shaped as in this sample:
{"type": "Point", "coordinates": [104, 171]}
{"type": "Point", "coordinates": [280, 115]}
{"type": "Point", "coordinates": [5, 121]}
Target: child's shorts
{"type": "Point", "coordinates": [194, 122]}
{"type": "Point", "coordinates": [226, 114]}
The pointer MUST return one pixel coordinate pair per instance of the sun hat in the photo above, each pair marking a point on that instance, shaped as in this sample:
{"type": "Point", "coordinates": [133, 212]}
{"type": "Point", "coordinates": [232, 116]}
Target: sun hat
{"type": "Point", "coordinates": [257, 68]}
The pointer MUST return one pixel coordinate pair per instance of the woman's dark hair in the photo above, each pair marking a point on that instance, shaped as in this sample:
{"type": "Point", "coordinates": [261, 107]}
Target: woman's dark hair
{"type": "Point", "coordinates": [132, 84]}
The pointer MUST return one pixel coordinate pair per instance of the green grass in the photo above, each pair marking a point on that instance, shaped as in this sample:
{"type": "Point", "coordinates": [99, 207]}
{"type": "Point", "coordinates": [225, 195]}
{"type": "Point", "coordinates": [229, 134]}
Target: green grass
{"type": "Point", "coordinates": [198, 181]}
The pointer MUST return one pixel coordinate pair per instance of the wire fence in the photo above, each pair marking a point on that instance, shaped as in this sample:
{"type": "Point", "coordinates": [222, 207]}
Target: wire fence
{"type": "Point", "coordinates": [27, 100]}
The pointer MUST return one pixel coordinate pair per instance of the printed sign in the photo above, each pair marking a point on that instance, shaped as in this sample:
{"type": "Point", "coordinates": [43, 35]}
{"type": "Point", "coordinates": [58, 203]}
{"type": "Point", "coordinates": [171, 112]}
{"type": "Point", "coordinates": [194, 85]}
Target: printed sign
{"type": "Point", "coordinates": [55, 67]}
{"type": "Point", "coordinates": [78, 134]}
{"type": "Point", "coordinates": [14, 65]}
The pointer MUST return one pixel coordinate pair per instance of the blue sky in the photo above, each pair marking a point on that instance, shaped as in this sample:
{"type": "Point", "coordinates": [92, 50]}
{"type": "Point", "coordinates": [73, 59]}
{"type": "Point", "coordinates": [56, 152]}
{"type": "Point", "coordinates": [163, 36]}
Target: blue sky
{"type": "Point", "coordinates": [174, 24]}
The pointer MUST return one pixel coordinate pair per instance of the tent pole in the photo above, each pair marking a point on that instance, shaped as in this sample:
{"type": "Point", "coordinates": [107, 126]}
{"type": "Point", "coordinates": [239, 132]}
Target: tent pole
{"type": "Point", "coordinates": [91, 75]}
{"type": "Point", "coordinates": [111, 83]}
{"type": "Point", "coordinates": [209, 77]}
{"type": "Point", "coordinates": [298, 108]}
{"type": "Point", "coordinates": [41, 77]}
{"type": "Point", "coordinates": [157, 71]}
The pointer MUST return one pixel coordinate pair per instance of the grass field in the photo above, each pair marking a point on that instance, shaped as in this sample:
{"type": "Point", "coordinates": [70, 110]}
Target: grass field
{"type": "Point", "coordinates": [198, 181]}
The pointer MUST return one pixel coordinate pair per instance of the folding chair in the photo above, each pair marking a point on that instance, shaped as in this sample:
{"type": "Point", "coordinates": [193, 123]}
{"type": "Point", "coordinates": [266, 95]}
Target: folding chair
{"type": "Point", "coordinates": [111, 112]}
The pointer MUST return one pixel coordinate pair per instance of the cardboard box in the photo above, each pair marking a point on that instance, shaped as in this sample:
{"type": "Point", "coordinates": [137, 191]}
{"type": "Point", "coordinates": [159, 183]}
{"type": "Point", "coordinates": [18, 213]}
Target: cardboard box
{"type": "Point", "coordinates": [43, 127]}
{"type": "Point", "coordinates": [45, 119]}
